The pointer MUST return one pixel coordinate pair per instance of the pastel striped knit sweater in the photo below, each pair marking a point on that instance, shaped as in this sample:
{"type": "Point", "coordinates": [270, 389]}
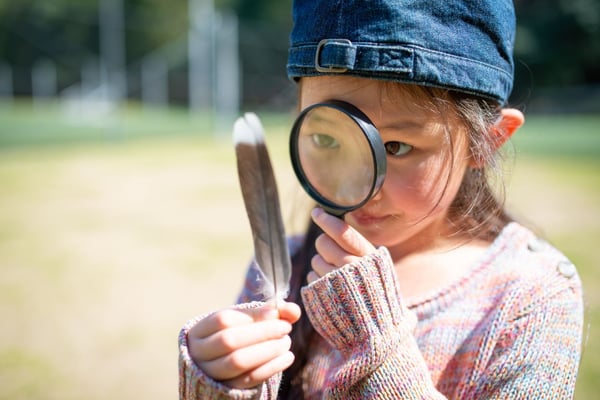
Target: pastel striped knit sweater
{"type": "Point", "coordinates": [510, 329]}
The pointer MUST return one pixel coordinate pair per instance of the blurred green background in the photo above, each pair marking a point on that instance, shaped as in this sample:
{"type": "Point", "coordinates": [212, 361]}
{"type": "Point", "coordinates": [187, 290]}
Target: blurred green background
{"type": "Point", "coordinates": [120, 211]}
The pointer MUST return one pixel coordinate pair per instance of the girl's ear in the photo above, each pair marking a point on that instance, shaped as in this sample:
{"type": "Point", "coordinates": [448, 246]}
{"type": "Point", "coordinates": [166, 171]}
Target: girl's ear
{"type": "Point", "coordinates": [509, 122]}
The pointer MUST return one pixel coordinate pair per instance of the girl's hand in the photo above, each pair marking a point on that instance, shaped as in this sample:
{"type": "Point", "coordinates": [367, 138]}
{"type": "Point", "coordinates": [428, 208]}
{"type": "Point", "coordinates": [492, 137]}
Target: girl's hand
{"type": "Point", "coordinates": [243, 348]}
{"type": "Point", "coordinates": [340, 244]}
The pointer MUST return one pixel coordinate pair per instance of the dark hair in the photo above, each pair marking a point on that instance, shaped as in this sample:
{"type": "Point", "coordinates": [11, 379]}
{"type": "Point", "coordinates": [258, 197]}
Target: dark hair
{"type": "Point", "coordinates": [476, 212]}
{"type": "Point", "coordinates": [303, 331]}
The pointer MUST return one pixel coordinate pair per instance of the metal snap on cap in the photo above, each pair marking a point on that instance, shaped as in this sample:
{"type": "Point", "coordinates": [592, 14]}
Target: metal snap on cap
{"type": "Point", "coordinates": [566, 268]}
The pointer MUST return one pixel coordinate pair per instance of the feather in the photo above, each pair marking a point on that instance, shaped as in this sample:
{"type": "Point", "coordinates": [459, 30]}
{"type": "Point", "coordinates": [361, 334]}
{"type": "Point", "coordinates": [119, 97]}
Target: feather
{"type": "Point", "coordinates": [259, 191]}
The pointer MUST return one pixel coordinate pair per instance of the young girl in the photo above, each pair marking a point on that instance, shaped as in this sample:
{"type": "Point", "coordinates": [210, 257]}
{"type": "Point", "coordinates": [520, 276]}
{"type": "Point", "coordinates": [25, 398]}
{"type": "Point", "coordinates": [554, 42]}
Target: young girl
{"type": "Point", "coordinates": [430, 290]}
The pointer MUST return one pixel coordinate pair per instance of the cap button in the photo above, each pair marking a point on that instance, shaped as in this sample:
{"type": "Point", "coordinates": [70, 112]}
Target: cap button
{"type": "Point", "coordinates": [566, 268]}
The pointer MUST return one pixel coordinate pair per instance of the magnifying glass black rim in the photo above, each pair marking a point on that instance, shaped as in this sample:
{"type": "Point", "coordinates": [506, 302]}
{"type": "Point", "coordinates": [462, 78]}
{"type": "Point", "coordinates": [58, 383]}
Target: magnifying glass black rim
{"type": "Point", "coordinates": [376, 146]}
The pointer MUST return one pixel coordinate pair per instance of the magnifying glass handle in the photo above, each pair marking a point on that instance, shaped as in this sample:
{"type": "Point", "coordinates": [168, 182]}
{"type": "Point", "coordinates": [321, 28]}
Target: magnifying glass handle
{"type": "Point", "coordinates": [335, 212]}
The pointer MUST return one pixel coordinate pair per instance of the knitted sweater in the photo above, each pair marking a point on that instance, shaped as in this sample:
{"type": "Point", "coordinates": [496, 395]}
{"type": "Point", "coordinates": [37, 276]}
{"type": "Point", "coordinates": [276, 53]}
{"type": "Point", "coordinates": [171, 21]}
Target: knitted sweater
{"type": "Point", "coordinates": [509, 329]}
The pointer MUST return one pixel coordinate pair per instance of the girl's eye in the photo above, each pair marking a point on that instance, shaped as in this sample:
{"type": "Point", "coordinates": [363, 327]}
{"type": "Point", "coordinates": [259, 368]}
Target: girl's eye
{"type": "Point", "coordinates": [325, 141]}
{"type": "Point", "coordinates": [397, 148]}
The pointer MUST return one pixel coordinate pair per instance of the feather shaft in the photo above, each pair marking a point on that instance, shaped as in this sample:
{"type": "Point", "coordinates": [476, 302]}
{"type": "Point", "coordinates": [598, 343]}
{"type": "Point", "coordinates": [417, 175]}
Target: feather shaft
{"type": "Point", "coordinates": [259, 191]}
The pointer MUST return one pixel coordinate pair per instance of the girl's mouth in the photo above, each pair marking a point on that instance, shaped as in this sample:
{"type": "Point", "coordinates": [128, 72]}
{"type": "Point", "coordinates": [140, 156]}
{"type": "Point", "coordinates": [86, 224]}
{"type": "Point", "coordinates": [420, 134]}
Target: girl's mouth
{"type": "Point", "coordinates": [364, 219]}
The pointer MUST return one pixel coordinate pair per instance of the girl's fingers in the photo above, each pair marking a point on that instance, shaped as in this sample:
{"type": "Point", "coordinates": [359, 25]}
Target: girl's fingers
{"type": "Point", "coordinates": [262, 373]}
{"type": "Point", "coordinates": [331, 252]}
{"type": "Point", "coordinates": [321, 267]}
{"type": "Point", "coordinates": [340, 244]}
{"type": "Point", "coordinates": [233, 342]}
{"type": "Point", "coordinates": [246, 359]}
{"type": "Point", "coordinates": [231, 317]}
{"type": "Point", "coordinates": [343, 234]}
{"type": "Point", "coordinates": [312, 276]}
{"type": "Point", "coordinates": [229, 340]}
{"type": "Point", "coordinates": [289, 311]}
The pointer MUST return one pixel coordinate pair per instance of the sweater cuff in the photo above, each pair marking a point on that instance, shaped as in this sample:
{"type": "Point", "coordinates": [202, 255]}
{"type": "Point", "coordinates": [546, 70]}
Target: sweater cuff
{"type": "Point", "coordinates": [195, 384]}
{"type": "Point", "coordinates": [358, 304]}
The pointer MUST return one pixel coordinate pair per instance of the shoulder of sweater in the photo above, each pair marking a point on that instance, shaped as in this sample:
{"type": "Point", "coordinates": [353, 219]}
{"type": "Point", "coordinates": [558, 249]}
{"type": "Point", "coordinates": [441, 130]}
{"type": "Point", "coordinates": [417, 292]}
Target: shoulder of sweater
{"type": "Point", "coordinates": [531, 270]}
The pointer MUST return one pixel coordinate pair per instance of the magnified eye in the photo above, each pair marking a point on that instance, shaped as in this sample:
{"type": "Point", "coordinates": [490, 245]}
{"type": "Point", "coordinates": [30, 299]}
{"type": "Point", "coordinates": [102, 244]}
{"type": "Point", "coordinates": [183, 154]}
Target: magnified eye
{"type": "Point", "coordinates": [397, 148]}
{"type": "Point", "coordinates": [325, 141]}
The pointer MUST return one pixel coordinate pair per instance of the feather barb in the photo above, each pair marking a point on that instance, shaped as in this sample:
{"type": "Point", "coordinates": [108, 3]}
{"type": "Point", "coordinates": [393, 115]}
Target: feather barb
{"type": "Point", "coordinates": [259, 190]}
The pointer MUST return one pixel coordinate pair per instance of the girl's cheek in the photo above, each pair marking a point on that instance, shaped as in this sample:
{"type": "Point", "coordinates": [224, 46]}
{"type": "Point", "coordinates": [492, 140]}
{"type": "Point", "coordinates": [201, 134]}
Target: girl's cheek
{"type": "Point", "coordinates": [413, 179]}
{"type": "Point", "coordinates": [423, 184]}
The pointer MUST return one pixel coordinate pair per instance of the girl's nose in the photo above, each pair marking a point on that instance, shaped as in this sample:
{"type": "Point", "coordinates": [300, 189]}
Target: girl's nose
{"type": "Point", "coordinates": [379, 195]}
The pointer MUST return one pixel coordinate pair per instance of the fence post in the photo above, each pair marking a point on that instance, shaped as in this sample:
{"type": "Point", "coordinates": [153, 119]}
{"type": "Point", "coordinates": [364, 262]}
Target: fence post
{"type": "Point", "coordinates": [155, 90]}
{"type": "Point", "coordinates": [43, 82]}
{"type": "Point", "coordinates": [226, 90]}
{"type": "Point", "coordinates": [112, 49]}
{"type": "Point", "coordinates": [90, 77]}
{"type": "Point", "coordinates": [200, 53]}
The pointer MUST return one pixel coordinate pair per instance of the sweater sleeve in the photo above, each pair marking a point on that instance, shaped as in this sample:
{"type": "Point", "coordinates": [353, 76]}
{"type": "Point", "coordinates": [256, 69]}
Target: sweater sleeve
{"type": "Point", "coordinates": [357, 309]}
{"type": "Point", "coordinates": [195, 385]}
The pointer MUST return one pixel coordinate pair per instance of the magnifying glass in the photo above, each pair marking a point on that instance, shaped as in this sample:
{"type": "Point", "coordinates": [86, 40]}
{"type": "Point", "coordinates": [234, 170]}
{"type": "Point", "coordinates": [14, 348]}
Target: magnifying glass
{"type": "Point", "coordinates": [337, 155]}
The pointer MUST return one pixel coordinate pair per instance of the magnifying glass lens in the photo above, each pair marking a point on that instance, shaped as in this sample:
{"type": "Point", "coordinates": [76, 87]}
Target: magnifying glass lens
{"type": "Point", "coordinates": [335, 156]}
{"type": "Point", "coordinates": [338, 157]}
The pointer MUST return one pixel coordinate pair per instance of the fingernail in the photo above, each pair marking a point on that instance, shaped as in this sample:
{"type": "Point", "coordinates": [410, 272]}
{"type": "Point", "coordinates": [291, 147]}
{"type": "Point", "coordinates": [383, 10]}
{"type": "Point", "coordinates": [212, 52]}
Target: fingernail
{"type": "Point", "coordinates": [316, 212]}
{"type": "Point", "coordinates": [284, 328]}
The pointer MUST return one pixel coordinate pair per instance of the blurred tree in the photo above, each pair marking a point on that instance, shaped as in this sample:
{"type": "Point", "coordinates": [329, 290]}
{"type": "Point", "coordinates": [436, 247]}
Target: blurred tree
{"type": "Point", "coordinates": [60, 31]}
{"type": "Point", "coordinates": [66, 32]}
{"type": "Point", "coordinates": [269, 11]}
{"type": "Point", "coordinates": [558, 41]}
{"type": "Point", "coordinates": [558, 44]}
{"type": "Point", "coordinates": [154, 23]}
{"type": "Point", "coordinates": [264, 28]}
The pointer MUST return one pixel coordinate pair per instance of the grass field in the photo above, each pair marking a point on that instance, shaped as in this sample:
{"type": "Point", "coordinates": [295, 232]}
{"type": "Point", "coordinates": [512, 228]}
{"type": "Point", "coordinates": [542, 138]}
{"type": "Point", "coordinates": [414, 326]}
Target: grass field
{"type": "Point", "coordinates": [113, 235]}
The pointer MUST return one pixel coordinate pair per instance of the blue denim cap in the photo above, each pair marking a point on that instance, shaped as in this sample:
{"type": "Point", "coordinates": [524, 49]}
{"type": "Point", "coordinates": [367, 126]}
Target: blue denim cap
{"type": "Point", "coordinates": [463, 45]}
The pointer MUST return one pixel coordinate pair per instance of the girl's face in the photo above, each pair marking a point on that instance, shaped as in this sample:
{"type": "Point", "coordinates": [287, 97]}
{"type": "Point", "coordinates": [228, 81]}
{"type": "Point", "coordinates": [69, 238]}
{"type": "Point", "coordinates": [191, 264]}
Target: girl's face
{"type": "Point", "coordinates": [427, 155]}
